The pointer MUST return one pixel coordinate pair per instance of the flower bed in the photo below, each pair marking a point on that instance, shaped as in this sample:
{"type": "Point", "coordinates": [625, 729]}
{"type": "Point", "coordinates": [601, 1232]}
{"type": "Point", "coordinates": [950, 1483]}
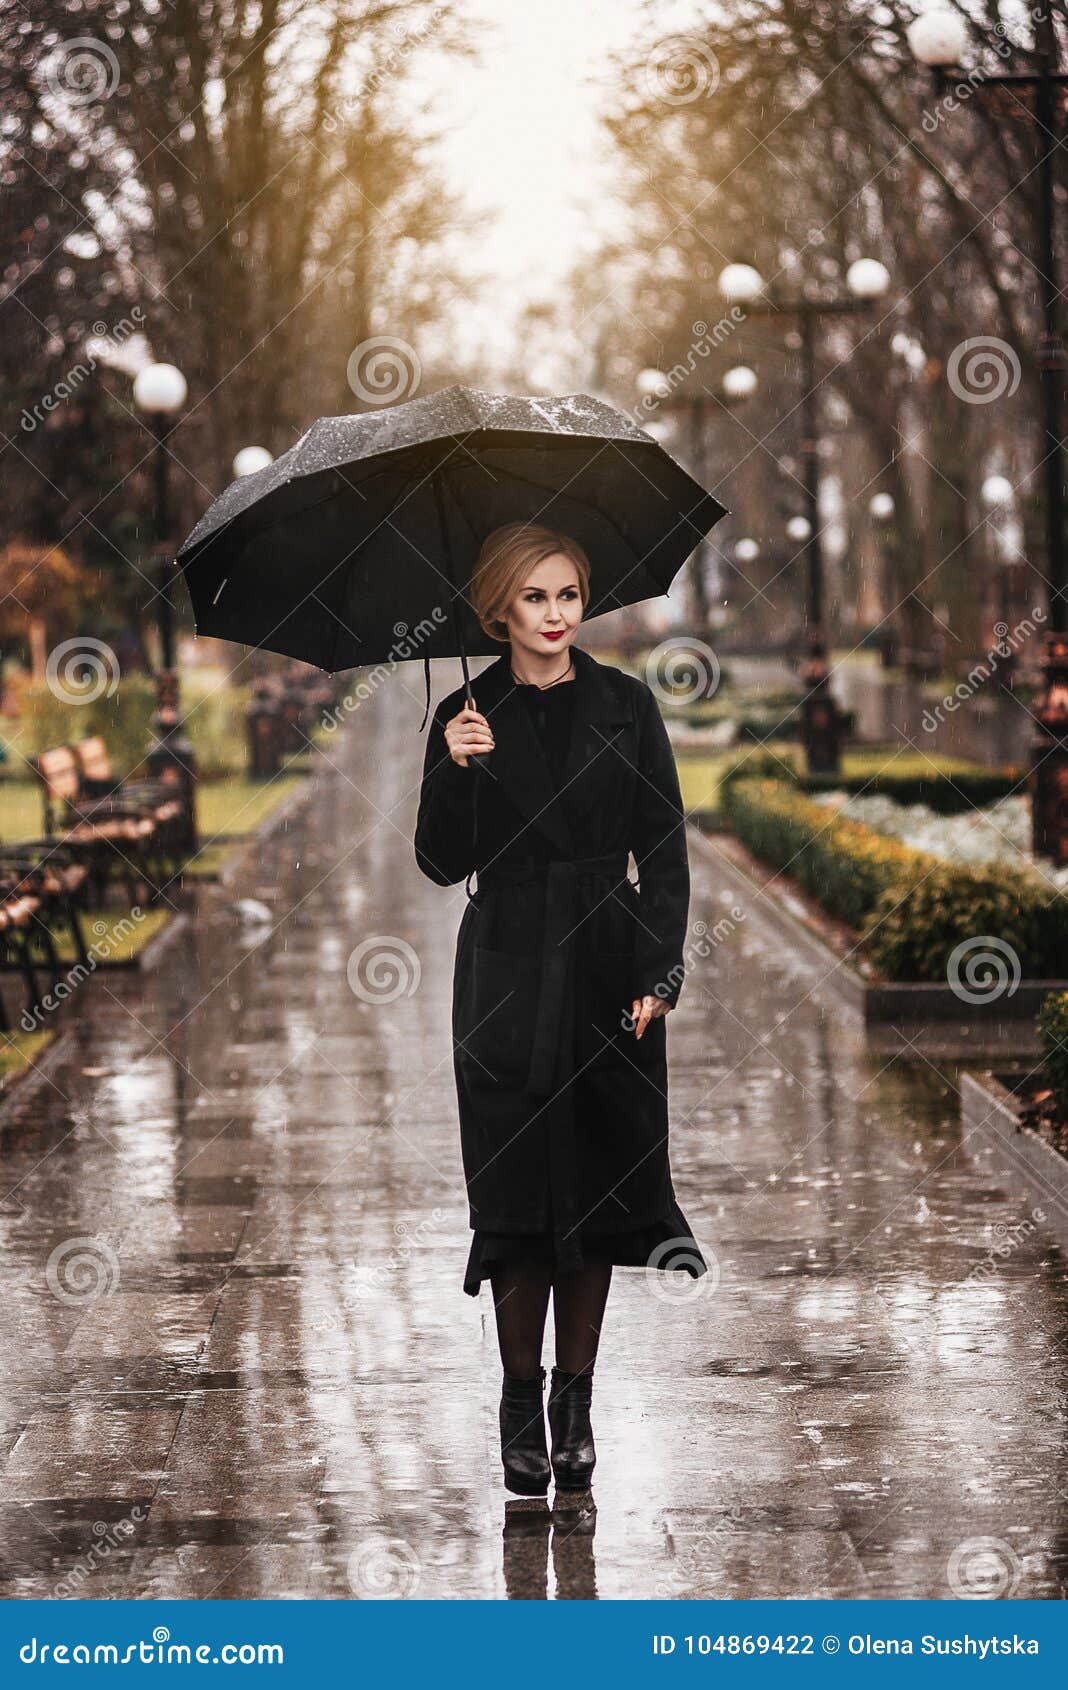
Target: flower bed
{"type": "Point", "coordinates": [999, 834]}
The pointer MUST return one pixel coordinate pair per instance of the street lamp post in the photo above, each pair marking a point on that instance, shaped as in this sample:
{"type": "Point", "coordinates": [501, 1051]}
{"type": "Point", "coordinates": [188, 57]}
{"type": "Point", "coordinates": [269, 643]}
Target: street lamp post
{"type": "Point", "coordinates": [744, 285]}
{"type": "Point", "coordinates": [737, 385]}
{"type": "Point", "coordinates": [160, 391]}
{"type": "Point", "coordinates": [996, 493]}
{"type": "Point", "coordinates": [939, 41]}
{"type": "Point", "coordinates": [881, 509]}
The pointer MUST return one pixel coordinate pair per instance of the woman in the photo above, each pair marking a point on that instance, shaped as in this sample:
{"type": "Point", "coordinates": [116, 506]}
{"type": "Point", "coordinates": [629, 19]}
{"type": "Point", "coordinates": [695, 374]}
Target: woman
{"type": "Point", "coordinates": [564, 974]}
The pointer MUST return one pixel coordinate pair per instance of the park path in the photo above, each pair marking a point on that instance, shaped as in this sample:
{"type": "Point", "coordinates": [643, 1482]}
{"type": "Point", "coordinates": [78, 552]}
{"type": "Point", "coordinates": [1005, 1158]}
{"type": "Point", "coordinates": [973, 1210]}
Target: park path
{"type": "Point", "coordinates": [238, 1360]}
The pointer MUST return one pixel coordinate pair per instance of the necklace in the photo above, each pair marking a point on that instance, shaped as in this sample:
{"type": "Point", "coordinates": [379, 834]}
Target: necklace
{"type": "Point", "coordinates": [548, 684]}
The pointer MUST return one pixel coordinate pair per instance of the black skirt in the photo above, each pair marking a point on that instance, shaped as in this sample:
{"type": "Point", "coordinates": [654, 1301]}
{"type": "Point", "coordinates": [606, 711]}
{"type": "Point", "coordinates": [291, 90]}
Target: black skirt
{"type": "Point", "coordinates": [644, 1246]}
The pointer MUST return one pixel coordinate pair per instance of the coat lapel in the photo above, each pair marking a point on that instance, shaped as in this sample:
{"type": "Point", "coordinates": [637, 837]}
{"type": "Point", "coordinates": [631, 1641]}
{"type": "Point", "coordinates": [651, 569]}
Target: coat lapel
{"type": "Point", "coordinates": [519, 763]}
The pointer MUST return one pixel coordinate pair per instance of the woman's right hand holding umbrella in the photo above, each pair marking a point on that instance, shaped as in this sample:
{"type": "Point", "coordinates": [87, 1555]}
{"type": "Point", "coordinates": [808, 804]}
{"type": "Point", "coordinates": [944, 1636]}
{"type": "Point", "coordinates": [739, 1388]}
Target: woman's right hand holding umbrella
{"type": "Point", "coordinates": [468, 735]}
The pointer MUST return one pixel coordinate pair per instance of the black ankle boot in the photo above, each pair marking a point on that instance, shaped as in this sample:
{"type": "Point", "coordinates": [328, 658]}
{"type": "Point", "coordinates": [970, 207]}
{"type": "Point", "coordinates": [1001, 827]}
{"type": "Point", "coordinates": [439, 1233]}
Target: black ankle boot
{"type": "Point", "coordinates": [574, 1456]}
{"type": "Point", "coordinates": [526, 1460]}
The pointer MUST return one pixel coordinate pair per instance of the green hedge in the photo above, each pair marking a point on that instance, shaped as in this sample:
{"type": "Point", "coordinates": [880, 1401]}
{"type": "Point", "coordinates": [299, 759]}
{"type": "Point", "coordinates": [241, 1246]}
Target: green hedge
{"type": "Point", "coordinates": [947, 794]}
{"type": "Point", "coordinates": [1053, 1037]}
{"type": "Point", "coordinates": [912, 932]}
{"type": "Point", "coordinates": [125, 720]}
{"type": "Point", "coordinates": [215, 723]}
{"type": "Point", "coordinates": [912, 909]}
{"type": "Point", "coordinates": [843, 864]}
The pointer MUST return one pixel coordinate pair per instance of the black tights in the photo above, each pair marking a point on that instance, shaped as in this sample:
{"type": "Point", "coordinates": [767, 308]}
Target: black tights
{"type": "Point", "coordinates": [521, 1303]}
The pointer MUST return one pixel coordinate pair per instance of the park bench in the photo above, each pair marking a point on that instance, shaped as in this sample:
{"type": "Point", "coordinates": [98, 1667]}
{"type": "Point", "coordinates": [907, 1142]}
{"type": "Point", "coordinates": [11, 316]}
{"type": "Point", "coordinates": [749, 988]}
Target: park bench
{"type": "Point", "coordinates": [40, 887]}
{"type": "Point", "coordinates": [121, 833]}
{"type": "Point", "coordinates": [160, 799]}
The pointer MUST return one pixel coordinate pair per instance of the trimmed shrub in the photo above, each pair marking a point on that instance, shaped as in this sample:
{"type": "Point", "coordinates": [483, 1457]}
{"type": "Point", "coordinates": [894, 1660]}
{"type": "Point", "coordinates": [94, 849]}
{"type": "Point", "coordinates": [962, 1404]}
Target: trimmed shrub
{"type": "Point", "coordinates": [125, 720]}
{"type": "Point", "coordinates": [913, 931]}
{"type": "Point", "coordinates": [761, 764]}
{"type": "Point", "coordinates": [1053, 1037]}
{"type": "Point", "coordinates": [845, 865]}
{"type": "Point", "coordinates": [214, 720]}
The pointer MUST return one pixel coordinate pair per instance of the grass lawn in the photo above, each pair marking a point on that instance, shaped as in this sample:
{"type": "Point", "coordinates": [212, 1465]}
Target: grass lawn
{"type": "Point", "coordinates": [228, 808]}
{"type": "Point", "coordinates": [18, 1050]}
{"type": "Point", "coordinates": [112, 935]}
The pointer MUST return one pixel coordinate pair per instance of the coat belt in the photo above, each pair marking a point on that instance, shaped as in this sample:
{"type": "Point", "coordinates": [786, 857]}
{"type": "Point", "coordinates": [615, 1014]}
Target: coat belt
{"type": "Point", "coordinates": [550, 1061]}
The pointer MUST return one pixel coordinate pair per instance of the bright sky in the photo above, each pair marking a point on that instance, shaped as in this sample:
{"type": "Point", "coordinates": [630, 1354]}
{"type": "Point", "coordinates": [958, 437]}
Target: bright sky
{"type": "Point", "coordinates": [524, 142]}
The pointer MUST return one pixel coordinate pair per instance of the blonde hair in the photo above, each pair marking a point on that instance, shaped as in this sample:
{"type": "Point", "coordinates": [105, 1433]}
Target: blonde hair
{"type": "Point", "coordinates": [507, 557]}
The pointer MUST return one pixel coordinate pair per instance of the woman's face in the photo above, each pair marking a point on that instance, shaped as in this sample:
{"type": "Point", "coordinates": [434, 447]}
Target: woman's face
{"type": "Point", "coordinates": [545, 612]}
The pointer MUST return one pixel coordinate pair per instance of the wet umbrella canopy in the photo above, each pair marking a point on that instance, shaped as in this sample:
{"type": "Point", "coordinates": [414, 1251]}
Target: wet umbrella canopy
{"type": "Point", "coordinates": [364, 534]}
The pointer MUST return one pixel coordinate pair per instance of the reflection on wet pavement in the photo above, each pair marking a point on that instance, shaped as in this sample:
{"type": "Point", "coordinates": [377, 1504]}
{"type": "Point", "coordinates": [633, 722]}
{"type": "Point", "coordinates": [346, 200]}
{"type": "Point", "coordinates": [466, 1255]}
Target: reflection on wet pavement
{"type": "Point", "coordinates": [239, 1361]}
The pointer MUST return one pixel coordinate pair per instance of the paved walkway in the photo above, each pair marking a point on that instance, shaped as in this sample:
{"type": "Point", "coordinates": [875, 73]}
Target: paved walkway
{"type": "Point", "coordinates": [257, 1374]}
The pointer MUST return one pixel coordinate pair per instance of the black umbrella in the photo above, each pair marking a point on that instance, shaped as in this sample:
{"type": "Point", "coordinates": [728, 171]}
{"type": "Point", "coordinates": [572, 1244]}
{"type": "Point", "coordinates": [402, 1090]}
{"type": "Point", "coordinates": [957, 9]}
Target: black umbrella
{"type": "Point", "coordinates": [357, 545]}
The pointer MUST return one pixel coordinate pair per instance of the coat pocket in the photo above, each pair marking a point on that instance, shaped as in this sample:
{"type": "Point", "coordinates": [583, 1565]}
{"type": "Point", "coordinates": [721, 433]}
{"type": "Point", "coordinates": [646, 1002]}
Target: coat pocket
{"type": "Point", "coordinates": [493, 1027]}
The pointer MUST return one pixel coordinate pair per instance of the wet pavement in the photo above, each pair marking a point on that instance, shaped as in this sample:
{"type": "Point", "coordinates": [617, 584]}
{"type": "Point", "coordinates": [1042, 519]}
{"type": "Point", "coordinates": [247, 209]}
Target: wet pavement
{"type": "Point", "coordinates": [238, 1360]}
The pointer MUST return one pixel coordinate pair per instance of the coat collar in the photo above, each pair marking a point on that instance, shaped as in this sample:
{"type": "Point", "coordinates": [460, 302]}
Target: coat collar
{"type": "Point", "coordinates": [518, 760]}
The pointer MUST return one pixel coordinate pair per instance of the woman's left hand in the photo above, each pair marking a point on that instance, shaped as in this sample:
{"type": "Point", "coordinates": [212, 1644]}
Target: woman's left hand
{"type": "Point", "coordinates": [644, 1010]}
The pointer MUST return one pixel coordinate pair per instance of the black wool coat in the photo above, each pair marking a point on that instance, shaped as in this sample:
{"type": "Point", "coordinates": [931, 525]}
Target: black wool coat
{"type": "Point", "coordinates": [563, 1113]}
